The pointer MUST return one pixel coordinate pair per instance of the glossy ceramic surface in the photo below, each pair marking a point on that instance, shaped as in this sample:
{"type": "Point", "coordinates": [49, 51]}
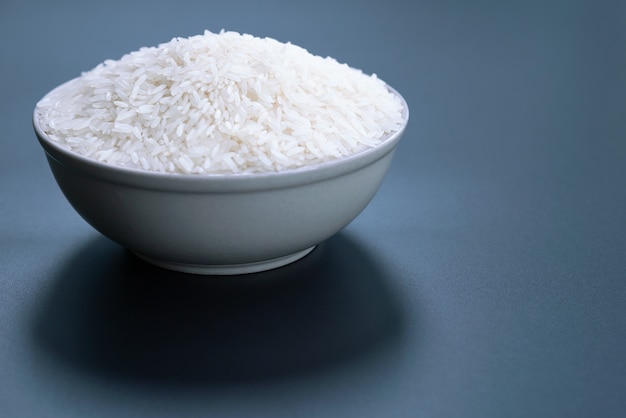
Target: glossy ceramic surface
{"type": "Point", "coordinates": [221, 224]}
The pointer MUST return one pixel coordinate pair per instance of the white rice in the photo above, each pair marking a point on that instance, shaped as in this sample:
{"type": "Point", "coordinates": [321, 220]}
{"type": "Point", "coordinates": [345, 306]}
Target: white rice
{"type": "Point", "coordinates": [220, 103]}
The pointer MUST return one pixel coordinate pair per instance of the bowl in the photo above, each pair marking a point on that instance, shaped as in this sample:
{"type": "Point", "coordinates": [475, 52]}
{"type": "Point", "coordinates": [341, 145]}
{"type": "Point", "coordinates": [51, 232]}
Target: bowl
{"type": "Point", "coordinates": [221, 224]}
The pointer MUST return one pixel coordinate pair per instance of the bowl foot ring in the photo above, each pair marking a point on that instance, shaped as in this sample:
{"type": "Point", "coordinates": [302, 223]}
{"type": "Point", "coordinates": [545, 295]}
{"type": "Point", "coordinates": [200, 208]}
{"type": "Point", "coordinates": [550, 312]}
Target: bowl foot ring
{"type": "Point", "coordinates": [226, 269]}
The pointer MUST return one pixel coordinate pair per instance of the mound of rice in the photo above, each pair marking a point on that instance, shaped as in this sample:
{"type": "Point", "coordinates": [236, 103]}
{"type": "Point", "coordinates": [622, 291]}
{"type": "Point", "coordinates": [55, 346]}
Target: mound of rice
{"type": "Point", "coordinates": [220, 103]}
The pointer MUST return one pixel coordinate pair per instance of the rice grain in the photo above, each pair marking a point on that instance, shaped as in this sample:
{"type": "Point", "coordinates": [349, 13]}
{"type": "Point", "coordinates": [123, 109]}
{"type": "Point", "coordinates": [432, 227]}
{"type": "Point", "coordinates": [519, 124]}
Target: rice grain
{"type": "Point", "coordinates": [220, 103]}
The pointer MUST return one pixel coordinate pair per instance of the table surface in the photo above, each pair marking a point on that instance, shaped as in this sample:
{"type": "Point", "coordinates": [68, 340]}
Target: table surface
{"type": "Point", "coordinates": [485, 279]}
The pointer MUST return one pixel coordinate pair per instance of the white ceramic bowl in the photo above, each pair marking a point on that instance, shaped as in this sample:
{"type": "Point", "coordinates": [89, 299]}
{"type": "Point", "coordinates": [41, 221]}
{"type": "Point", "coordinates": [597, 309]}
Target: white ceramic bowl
{"type": "Point", "coordinates": [221, 224]}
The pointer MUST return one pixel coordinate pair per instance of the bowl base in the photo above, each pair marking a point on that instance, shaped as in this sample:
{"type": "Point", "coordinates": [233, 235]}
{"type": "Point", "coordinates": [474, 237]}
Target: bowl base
{"type": "Point", "coordinates": [226, 269]}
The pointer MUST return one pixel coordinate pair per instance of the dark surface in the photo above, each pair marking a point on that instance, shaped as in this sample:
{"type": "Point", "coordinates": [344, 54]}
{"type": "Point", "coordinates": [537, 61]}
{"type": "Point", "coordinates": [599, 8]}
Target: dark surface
{"type": "Point", "coordinates": [486, 279]}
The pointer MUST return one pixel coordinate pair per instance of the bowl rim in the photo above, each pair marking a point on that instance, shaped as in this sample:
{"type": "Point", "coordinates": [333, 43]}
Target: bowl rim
{"type": "Point", "coordinates": [219, 182]}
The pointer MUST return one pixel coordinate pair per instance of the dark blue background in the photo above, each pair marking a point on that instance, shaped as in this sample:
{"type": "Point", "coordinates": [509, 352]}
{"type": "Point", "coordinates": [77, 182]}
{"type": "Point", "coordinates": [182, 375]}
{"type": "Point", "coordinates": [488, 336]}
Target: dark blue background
{"type": "Point", "coordinates": [486, 279]}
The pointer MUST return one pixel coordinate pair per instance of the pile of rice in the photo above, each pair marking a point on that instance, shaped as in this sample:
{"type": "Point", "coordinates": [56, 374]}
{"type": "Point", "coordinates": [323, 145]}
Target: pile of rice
{"type": "Point", "coordinates": [220, 103]}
